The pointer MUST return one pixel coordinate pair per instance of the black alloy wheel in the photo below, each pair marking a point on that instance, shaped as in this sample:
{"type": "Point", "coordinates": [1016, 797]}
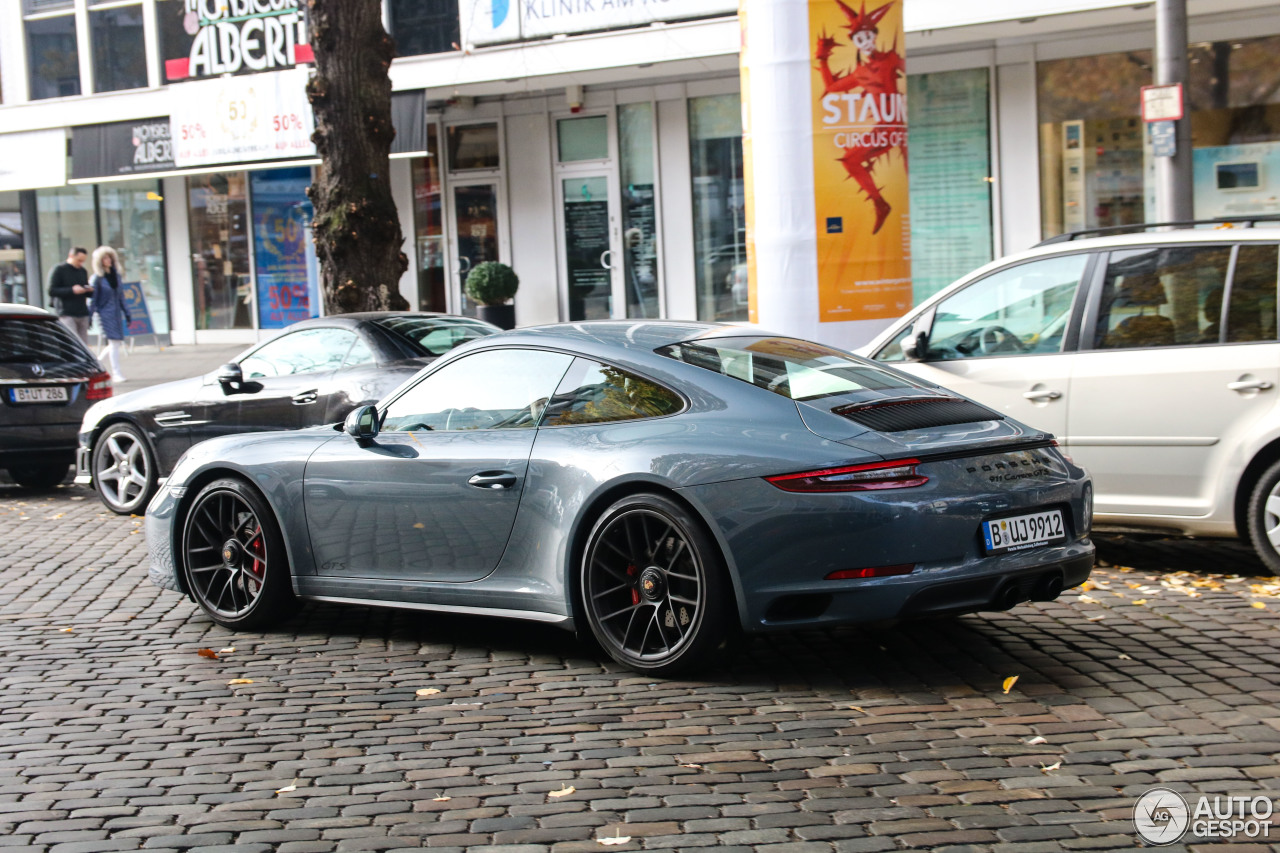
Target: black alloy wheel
{"type": "Point", "coordinates": [234, 557]}
{"type": "Point", "coordinates": [653, 587]}
{"type": "Point", "coordinates": [123, 469]}
{"type": "Point", "coordinates": [39, 475]}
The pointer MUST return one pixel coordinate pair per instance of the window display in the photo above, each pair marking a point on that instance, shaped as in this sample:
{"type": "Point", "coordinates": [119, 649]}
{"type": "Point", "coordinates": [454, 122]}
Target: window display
{"type": "Point", "coordinates": [428, 226]}
{"type": "Point", "coordinates": [719, 206]}
{"type": "Point", "coordinates": [218, 212]}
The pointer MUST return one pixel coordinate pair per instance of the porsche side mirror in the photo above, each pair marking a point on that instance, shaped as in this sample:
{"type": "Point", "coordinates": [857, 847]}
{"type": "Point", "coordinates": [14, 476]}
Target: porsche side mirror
{"type": "Point", "coordinates": [230, 377]}
{"type": "Point", "coordinates": [362, 423]}
{"type": "Point", "coordinates": [915, 346]}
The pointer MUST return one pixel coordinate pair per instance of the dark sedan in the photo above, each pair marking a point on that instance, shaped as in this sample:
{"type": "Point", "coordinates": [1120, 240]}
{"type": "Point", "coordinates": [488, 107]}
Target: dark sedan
{"type": "Point", "coordinates": [659, 485]}
{"type": "Point", "coordinates": [47, 381]}
{"type": "Point", "coordinates": [313, 373]}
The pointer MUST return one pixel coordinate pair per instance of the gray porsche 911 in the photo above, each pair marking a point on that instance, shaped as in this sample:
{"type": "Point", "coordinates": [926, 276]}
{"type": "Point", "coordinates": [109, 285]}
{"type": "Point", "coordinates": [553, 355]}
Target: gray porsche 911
{"type": "Point", "coordinates": [662, 485]}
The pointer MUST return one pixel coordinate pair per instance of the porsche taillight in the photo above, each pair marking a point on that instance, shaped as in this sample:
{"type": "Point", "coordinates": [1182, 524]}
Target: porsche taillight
{"type": "Point", "coordinates": [894, 474]}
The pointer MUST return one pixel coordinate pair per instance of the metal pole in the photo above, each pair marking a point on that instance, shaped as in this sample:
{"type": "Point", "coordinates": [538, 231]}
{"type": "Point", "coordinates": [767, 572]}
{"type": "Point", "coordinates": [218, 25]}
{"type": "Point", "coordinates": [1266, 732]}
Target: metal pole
{"type": "Point", "coordinates": [1174, 201]}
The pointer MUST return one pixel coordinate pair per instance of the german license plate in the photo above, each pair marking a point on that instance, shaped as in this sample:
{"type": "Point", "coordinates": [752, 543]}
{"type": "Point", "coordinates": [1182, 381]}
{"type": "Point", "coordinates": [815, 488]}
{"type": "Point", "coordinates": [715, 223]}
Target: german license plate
{"type": "Point", "coordinates": [47, 394]}
{"type": "Point", "coordinates": [1023, 531]}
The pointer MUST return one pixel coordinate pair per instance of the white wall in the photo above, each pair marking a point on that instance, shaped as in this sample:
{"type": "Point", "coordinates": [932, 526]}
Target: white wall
{"type": "Point", "coordinates": [177, 247]}
{"type": "Point", "coordinates": [531, 205]}
{"type": "Point", "coordinates": [676, 182]}
{"type": "Point", "coordinates": [1018, 161]}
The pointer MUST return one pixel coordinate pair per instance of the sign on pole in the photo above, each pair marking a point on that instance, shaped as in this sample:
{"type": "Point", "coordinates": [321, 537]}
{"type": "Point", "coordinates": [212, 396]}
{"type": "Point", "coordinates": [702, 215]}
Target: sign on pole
{"type": "Point", "coordinates": [1162, 103]}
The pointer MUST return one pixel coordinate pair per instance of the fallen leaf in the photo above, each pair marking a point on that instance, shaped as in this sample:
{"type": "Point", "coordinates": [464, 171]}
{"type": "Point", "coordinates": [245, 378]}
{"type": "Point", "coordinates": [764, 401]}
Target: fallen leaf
{"type": "Point", "coordinates": [1259, 605]}
{"type": "Point", "coordinates": [1054, 766]}
{"type": "Point", "coordinates": [615, 840]}
{"type": "Point", "coordinates": [1125, 657]}
{"type": "Point", "coordinates": [1036, 741]}
{"type": "Point", "coordinates": [240, 681]}
{"type": "Point", "coordinates": [441, 799]}
{"type": "Point", "coordinates": [692, 766]}
{"type": "Point", "coordinates": [208, 653]}
{"type": "Point", "coordinates": [1088, 599]}
{"type": "Point", "coordinates": [857, 708]}
{"type": "Point", "coordinates": [428, 691]}
{"type": "Point", "coordinates": [228, 650]}
{"type": "Point", "coordinates": [1097, 618]}
{"type": "Point", "coordinates": [419, 525]}
{"type": "Point", "coordinates": [67, 630]}
{"type": "Point", "coordinates": [563, 792]}
{"type": "Point", "coordinates": [287, 788]}
{"type": "Point", "coordinates": [1009, 682]}
{"type": "Point", "coordinates": [1139, 601]}
{"type": "Point", "coordinates": [1088, 585]}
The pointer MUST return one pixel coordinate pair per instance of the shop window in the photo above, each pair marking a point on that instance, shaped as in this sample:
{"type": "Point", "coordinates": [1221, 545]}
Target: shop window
{"type": "Point", "coordinates": [119, 54]}
{"type": "Point", "coordinates": [126, 215]}
{"type": "Point", "coordinates": [424, 26]}
{"type": "Point", "coordinates": [218, 214]}
{"type": "Point", "coordinates": [13, 268]}
{"type": "Point", "coordinates": [131, 219]}
{"type": "Point", "coordinates": [53, 63]}
{"type": "Point", "coordinates": [428, 226]}
{"type": "Point", "coordinates": [719, 207]}
{"type": "Point", "coordinates": [639, 209]}
{"type": "Point", "coordinates": [473, 147]}
{"type": "Point", "coordinates": [950, 143]}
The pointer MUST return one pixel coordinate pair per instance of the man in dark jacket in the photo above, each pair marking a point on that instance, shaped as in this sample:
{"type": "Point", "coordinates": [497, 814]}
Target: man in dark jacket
{"type": "Point", "coordinates": [69, 288]}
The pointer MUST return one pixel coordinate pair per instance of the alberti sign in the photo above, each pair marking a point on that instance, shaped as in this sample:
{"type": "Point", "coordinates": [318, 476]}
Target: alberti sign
{"type": "Point", "coordinates": [209, 38]}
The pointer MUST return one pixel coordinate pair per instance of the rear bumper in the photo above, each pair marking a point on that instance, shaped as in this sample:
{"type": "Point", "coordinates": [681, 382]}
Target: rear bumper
{"type": "Point", "coordinates": [37, 443]}
{"type": "Point", "coordinates": [84, 474]}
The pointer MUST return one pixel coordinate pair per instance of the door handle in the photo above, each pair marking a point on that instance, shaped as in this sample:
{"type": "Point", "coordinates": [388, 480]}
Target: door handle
{"type": "Point", "coordinates": [1042, 395]}
{"type": "Point", "coordinates": [609, 263]}
{"type": "Point", "coordinates": [303, 398]}
{"type": "Point", "coordinates": [493, 480]}
{"type": "Point", "coordinates": [1250, 385]}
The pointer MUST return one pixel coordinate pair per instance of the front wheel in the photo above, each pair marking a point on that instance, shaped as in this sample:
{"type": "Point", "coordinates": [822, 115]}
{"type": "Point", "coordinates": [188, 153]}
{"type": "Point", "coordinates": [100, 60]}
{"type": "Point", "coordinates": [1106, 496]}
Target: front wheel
{"type": "Point", "coordinates": [1263, 519]}
{"type": "Point", "coordinates": [123, 469]}
{"type": "Point", "coordinates": [654, 587]}
{"type": "Point", "coordinates": [234, 557]}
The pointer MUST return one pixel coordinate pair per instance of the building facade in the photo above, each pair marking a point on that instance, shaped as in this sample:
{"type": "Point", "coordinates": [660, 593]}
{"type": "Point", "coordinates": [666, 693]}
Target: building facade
{"type": "Point", "coordinates": [597, 151]}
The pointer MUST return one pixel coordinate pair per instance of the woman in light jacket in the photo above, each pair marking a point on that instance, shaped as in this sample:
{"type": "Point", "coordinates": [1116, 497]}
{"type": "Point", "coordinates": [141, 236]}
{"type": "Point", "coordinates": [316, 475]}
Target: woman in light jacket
{"type": "Point", "coordinates": [108, 304]}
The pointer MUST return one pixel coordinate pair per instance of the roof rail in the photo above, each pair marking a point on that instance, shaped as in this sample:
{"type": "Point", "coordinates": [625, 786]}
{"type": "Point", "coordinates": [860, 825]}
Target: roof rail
{"type": "Point", "coordinates": [1222, 222]}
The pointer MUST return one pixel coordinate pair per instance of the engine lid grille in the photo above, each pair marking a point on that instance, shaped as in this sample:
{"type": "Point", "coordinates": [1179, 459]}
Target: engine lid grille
{"type": "Point", "coordinates": [907, 413]}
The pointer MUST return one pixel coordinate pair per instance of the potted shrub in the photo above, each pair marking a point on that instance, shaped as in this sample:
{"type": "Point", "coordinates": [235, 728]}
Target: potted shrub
{"type": "Point", "coordinates": [492, 284]}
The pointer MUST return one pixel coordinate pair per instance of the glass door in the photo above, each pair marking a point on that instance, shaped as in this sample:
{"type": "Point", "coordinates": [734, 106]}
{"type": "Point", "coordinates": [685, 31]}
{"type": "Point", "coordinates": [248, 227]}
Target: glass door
{"type": "Point", "coordinates": [591, 260]}
{"type": "Point", "coordinates": [473, 235]}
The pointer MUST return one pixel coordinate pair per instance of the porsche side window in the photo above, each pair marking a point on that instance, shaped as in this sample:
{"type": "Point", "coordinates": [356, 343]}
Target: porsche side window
{"type": "Point", "coordinates": [305, 351]}
{"type": "Point", "coordinates": [360, 354]}
{"type": "Point", "coordinates": [1017, 310]}
{"type": "Point", "coordinates": [593, 393]}
{"type": "Point", "coordinates": [1162, 297]}
{"type": "Point", "coordinates": [497, 389]}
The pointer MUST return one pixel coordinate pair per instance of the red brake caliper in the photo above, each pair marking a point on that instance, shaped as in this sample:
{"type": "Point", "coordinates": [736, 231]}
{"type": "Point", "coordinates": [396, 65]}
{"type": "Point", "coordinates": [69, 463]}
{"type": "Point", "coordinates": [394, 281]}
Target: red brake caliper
{"type": "Point", "coordinates": [258, 549]}
{"type": "Point", "coordinates": [635, 593]}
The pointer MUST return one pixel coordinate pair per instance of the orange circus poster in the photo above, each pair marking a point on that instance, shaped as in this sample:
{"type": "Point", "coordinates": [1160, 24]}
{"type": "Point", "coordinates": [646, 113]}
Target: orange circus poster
{"type": "Point", "coordinates": [859, 93]}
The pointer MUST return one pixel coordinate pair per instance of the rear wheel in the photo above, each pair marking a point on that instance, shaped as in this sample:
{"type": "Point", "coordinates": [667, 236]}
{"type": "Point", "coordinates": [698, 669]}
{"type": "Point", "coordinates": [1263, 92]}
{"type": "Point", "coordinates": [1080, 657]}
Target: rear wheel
{"type": "Point", "coordinates": [654, 587]}
{"type": "Point", "coordinates": [234, 557]}
{"type": "Point", "coordinates": [39, 475]}
{"type": "Point", "coordinates": [1264, 517]}
{"type": "Point", "coordinates": [124, 471]}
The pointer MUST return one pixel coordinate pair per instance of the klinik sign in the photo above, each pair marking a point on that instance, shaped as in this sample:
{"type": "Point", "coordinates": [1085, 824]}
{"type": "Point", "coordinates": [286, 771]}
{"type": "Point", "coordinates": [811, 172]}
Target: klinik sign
{"type": "Point", "coordinates": [209, 38]}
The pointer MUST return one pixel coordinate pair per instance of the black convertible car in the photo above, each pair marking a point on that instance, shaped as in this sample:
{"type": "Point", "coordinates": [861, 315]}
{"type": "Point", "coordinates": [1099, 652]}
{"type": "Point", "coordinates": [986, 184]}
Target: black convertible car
{"type": "Point", "coordinates": [313, 373]}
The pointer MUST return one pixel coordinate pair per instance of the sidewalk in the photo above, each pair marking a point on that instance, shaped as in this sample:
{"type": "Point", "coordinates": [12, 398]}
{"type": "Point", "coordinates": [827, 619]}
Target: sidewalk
{"type": "Point", "coordinates": [148, 366]}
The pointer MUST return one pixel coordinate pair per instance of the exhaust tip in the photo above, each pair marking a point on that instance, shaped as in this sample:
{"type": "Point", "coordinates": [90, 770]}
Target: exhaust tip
{"type": "Point", "coordinates": [1009, 597]}
{"type": "Point", "coordinates": [1048, 587]}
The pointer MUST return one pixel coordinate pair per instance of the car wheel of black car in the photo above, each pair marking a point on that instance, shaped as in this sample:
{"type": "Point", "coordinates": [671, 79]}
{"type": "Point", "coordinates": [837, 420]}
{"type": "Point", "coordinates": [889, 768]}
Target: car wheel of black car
{"type": "Point", "coordinates": [1264, 517]}
{"type": "Point", "coordinates": [39, 475]}
{"type": "Point", "coordinates": [124, 470]}
{"type": "Point", "coordinates": [654, 587]}
{"type": "Point", "coordinates": [234, 557]}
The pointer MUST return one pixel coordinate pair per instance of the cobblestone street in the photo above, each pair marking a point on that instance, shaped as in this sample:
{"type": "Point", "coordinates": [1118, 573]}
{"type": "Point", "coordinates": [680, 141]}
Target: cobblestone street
{"type": "Point", "coordinates": [115, 734]}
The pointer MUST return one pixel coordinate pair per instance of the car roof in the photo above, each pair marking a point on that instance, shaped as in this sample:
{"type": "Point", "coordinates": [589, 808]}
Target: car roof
{"type": "Point", "coordinates": [359, 317]}
{"type": "Point", "coordinates": [16, 309]}
{"type": "Point", "coordinates": [632, 335]}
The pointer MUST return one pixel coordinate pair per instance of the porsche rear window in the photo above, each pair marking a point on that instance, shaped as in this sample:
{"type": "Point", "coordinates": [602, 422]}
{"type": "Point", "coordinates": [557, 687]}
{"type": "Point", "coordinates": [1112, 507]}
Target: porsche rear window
{"type": "Point", "coordinates": [435, 335]}
{"type": "Point", "coordinates": [37, 341]}
{"type": "Point", "coordinates": [796, 369]}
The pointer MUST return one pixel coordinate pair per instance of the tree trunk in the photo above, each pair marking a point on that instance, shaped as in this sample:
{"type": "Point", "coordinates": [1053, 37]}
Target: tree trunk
{"type": "Point", "coordinates": [357, 232]}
